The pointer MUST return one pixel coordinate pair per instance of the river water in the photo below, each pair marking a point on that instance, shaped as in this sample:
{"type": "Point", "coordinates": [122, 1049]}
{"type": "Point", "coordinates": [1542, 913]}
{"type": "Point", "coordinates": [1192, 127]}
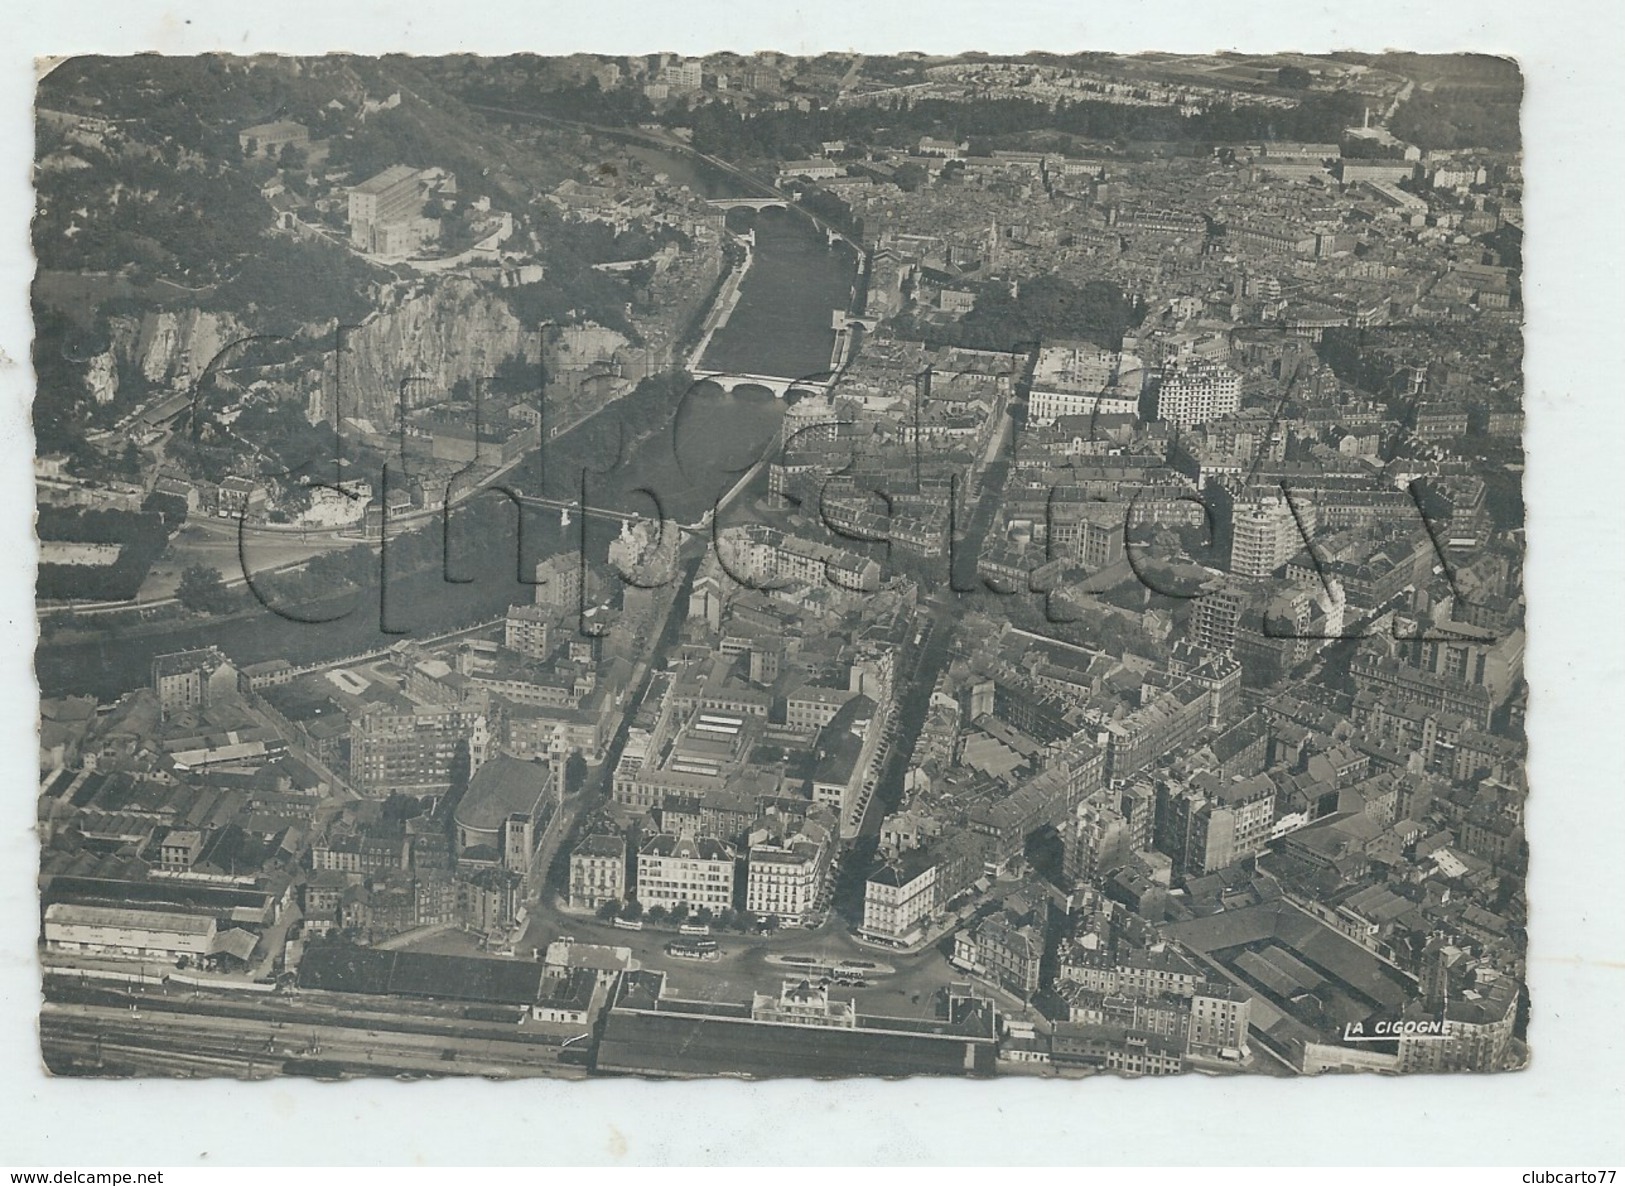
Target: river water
{"type": "Point", "coordinates": [780, 327]}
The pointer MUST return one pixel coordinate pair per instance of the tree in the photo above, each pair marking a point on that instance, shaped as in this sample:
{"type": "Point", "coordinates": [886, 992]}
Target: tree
{"type": "Point", "coordinates": [399, 808]}
{"type": "Point", "coordinates": [656, 914]}
{"type": "Point", "coordinates": [909, 177]}
{"type": "Point", "coordinates": [203, 590]}
{"type": "Point", "coordinates": [609, 911]}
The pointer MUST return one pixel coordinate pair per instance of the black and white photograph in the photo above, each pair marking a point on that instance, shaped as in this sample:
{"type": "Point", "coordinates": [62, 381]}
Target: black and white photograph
{"type": "Point", "coordinates": [770, 565]}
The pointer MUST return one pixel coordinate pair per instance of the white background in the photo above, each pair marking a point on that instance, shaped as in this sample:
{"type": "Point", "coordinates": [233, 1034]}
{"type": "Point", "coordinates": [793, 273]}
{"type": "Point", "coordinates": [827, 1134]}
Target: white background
{"type": "Point", "coordinates": [1565, 1110]}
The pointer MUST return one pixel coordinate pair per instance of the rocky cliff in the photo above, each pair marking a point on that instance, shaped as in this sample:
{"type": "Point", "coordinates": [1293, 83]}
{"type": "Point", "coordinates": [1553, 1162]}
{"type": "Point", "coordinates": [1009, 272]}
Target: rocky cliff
{"type": "Point", "coordinates": [172, 347]}
{"type": "Point", "coordinates": [449, 330]}
{"type": "Point", "coordinates": [440, 331]}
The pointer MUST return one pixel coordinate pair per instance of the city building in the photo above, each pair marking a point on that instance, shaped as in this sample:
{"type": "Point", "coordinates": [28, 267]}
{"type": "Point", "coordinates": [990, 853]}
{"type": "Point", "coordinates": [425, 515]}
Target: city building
{"type": "Point", "coordinates": [558, 582]}
{"type": "Point", "coordinates": [1266, 533]}
{"type": "Point", "coordinates": [1209, 824]}
{"type": "Point", "coordinates": [1196, 392]}
{"type": "Point", "coordinates": [679, 871]}
{"type": "Point", "coordinates": [505, 810]}
{"type": "Point", "coordinates": [899, 899]}
{"type": "Point", "coordinates": [597, 871]}
{"type": "Point", "coordinates": [783, 882]}
{"type": "Point", "coordinates": [1081, 379]}
{"type": "Point", "coordinates": [414, 748]}
{"type": "Point", "coordinates": [187, 680]}
{"type": "Point", "coordinates": [1004, 949]}
{"type": "Point", "coordinates": [527, 629]}
{"type": "Point", "coordinates": [128, 932]}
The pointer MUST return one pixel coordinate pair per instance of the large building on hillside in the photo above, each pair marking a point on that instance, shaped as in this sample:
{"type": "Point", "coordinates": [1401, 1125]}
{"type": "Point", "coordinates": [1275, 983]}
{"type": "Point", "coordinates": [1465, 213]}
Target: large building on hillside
{"type": "Point", "coordinates": [385, 212]}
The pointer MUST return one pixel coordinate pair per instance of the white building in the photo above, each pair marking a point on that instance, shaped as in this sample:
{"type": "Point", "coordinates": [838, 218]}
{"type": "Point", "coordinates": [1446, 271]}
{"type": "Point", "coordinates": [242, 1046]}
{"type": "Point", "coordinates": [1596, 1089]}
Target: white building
{"type": "Point", "coordinates": [1265, 534]}
{"type": "Point", "coordinates": [676, 869]}
{"type": "Point", "coordinates": [685, 75]}
{"type": "Point", "coordinates": [1080, 379]}
{"type": "Point", "coordinates": [817, 170]}
{"type": "Point", "coordinates": [782, 881]}
{"type": "Point", "coordinates": [768, 559]}
{"type": "Point", "coordinates": [1198, 392]}
{"type": "Point", "coordinates": [897, 901]}
{"type": "Point", "coordinates": [127, 933]}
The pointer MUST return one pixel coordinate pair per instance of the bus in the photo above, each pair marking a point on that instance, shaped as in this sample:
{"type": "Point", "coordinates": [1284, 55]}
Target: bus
{"type": "Point", "coordinates": [694, 949]}
{"type": "Point", "coordinates": [629, 924]}
{"type": "Point", "coordinates": [693, 928]}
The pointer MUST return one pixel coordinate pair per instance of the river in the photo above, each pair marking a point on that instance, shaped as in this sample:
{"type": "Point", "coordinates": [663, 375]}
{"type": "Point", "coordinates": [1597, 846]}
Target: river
{"type": "Point", "coordinates": [780, 327]}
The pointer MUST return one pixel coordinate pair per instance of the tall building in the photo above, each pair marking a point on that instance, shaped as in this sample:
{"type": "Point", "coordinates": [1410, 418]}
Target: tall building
{"type": "Point", "coordinates": [412, 750]}
{"type": "Point", "coordinates": [1266, 533]}
{"type": "Point", "coordinates": [558, 582]}
{"type": "Point", "coordinates": [526, 630]}
{"type": "Point", "coordinates": [1219, 1016]}
{"type": "Point", "coordinates": [1208, 824]}
{"type": "Point", "coordinates": [1099, 839]}
{"type": "Point", "coordinates": [1197, 392]}
{"type": "Point", "coordinates": [1088, 533]}
{"type": "Point", "coordinates": [390, 198]}
{"type": "Point", "coordinates": [1216, 619]}
{"type": "Point", "coordinates": [686, 75]}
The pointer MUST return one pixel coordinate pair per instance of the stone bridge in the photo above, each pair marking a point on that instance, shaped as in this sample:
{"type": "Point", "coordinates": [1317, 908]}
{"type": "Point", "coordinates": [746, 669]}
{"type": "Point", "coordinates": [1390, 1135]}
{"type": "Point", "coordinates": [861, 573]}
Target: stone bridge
{"type": "Point", "coordinates": [750, 203]}
{"type": "Point", "coordinates": [780, 387]}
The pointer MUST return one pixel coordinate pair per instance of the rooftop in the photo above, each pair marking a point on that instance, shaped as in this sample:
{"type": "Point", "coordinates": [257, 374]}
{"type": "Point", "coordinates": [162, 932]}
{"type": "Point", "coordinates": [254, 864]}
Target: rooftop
{"type": "Point", "coordinates": [502, 787]}
{"type": "Point", "coordinates": [71, 914]}
{"type": "Point", "coordinates": [389, 178]}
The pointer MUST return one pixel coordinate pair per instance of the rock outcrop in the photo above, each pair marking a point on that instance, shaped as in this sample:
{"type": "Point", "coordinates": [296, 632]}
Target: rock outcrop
{"type": "Point", "coordinates": [453, 330]}
{"type": "Point", "coordinates": [172, 347]}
